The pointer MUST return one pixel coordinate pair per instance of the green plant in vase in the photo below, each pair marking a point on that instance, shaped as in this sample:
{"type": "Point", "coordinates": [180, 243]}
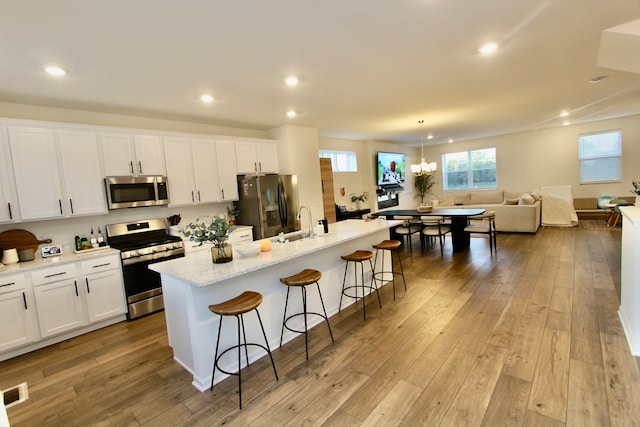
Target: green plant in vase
{"type": "Point", "coordinates": [216, 233]}
{"type": "Point", "coordinates": [359, 198]}
{"type": "Point", "coordinates": [422, 183]}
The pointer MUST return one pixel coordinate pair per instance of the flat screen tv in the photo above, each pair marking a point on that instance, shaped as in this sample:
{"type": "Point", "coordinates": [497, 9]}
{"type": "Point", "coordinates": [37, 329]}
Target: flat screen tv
{"type": "Point", "coordinates": [391, 169]}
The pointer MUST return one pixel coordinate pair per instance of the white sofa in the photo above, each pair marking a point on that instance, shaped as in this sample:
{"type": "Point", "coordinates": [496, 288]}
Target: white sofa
{"type": "Point", "coordinates": [516, 211]}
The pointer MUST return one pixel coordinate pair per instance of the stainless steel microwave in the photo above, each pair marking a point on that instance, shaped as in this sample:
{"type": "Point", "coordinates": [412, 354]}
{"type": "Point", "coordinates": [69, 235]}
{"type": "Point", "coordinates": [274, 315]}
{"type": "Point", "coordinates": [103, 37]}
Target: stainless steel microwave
{"type": "Point", "coordinates": [133, 192]}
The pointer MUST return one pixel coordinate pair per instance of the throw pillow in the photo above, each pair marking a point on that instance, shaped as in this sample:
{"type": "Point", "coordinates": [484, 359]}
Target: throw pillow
{"type": "Point", "coordinates": [510, 201]}
{"type": "Point", "coordinates": [526, 199]}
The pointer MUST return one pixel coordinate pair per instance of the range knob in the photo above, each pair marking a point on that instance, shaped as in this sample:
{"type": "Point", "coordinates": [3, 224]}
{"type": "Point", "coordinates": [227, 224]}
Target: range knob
{"type": "Point", "coordinates": [168, 246]}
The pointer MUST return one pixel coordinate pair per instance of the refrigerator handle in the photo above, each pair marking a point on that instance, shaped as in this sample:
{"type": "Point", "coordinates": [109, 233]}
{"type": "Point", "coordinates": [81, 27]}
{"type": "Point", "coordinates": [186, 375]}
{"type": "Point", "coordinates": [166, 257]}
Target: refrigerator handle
{"type": "Point", "coordinates": [282, 206]}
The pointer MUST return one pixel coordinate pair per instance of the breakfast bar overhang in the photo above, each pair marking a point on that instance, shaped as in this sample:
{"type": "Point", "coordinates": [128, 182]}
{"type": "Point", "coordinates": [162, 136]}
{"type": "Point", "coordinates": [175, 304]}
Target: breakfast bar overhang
{"type": "Point", "coordinates": [190, 284]}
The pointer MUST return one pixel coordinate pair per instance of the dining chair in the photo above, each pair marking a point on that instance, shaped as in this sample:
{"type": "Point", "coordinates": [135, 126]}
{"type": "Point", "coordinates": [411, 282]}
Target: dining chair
{"type": "Point", "coordinates": [408, 228]}
{"type": "Point", "coordinates": [484, 224]}
{"type": "Point", "coordinates": [432, 227]}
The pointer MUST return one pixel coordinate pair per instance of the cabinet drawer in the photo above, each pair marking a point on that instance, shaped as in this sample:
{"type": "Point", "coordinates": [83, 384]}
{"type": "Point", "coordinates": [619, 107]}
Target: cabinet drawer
{"type": "Point", "coordinates": [97, 265]}
{"type": "Point", "coordinates": [53, 274]}
{"type": "Point", "coordinates": [14, 282]}
{"type": "Point", "coordinates": [244, 235]}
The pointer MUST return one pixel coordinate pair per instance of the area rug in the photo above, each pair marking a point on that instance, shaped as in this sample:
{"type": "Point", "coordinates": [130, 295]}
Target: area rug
{"type": "Point", "coordinates": [597, 224]}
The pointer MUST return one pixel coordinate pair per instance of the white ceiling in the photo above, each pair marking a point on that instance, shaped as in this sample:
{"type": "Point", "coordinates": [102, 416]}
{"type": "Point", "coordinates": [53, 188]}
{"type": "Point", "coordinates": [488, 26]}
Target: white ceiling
{"type": "Point", "coordinates": [369, 69]}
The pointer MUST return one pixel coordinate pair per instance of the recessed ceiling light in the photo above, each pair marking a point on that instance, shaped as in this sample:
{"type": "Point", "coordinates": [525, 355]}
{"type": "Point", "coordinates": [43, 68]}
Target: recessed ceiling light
{"type": "Point", "coordinates": [206, 98]}
{"type": "Point", "coordinates": [429, 136]}
{"type": "Point", "coordinates": [566, 123]}
{"type": "Point", "coordinates": [488, 48]}
{"type": "Point", "coordinates": [55, 71]}
{"type": "Point", "coordinates": [291, 114]}
{"type": "Point", "coordinates": [450, 140]}
{"type": "Point", "coordinates": [597, 79]}
{"type": "Point", "coordinates": [564, 114]}
{"type": "Point", "coordinates": [291, 80]}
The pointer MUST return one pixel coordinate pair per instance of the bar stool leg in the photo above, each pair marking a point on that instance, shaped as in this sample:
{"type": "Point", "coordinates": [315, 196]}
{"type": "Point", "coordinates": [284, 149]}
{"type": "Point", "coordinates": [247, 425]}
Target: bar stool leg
{"type": "Point", "coordinates": [401, 269]}
{"type": "Point", "coordinates": [239, 357]}
{"type": "Point", "coordinates": [284, 316]}
{"type": "Point", "coordinates": [326, 318]}
{"type": "Point", "coordinates": [344, 281]}
{"type": "Point", "coordinates": [215, 357]}
{"type": "Point", "coordinates": [266, 341]}
{"type": "Point", "coordinates": [374, 285]}
{"type": "Point", "coordinates": [306, 329]}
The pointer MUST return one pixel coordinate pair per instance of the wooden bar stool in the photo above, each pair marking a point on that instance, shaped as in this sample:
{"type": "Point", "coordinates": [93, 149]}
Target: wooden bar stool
{"type": "Point", "coordinates": [301, 280]}
{"type": "Point", "coordinates": [238, 306]}
{"type": "Point", "coordinates": [358, 257]}
{"type": "Point", "coordinates": [392, 246]}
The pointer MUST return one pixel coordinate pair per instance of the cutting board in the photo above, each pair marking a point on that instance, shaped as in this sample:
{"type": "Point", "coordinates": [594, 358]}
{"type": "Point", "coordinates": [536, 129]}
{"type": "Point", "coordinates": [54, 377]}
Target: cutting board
{"type": "Point", "coordinates": [20, 239]}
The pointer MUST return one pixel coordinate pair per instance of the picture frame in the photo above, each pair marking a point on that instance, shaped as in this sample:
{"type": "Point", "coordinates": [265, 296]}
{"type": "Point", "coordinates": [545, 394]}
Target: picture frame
{"type": "Point", "coordinates": [49, 251]}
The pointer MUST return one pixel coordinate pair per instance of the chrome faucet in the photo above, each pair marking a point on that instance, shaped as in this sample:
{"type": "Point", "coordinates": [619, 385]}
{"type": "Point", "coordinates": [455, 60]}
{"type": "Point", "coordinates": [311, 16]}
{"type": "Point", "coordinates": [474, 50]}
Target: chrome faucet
{"type": "Point", "coordinates": [309, 232]}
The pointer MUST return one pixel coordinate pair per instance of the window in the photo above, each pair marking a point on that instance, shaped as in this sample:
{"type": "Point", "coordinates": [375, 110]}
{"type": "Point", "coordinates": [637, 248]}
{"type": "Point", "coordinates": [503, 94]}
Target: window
{"type": "Point", "coordinates": [600, 156]}
{"type": "Point", "coordinates": [469, 169]}
{"type": "Point", "coordinates": [341, 161]}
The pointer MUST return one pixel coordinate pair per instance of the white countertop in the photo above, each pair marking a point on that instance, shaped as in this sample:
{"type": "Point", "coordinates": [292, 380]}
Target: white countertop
{"type": "Point", "coordinates": [65, 258]}
{"type": "Point", "coordinates": [197, 269]}
{"type": "Point", "coordinates": [632, 213]}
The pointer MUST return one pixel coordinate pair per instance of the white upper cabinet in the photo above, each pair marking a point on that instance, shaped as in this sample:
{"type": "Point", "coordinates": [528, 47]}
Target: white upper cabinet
{"type": "Point", "coordinates": [8, 205]}
{"type": "Point", "coordinates": [257, 156]}
{"type": "Point", "coordinates": [82, 176]}
{"type": "Point", "coordinates": [227, 170]}
{"type": "Point", "coordinates": [149, 155]}
{"type": "Point", "coordinates": [35, 167]}
{"type": "Point", "coordinates": [182, 188]}
{"type": "Point", "coordinates": [204, 168]}
{"type": "Point", "coordinates": [132, 155]}
{"type": "Point", "coordinates": [191, 170]}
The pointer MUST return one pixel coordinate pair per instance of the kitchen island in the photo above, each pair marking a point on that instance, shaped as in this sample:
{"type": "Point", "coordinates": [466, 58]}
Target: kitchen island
{"type": "Point", "coordinates": [190, 284]}
{"type": "Point", "coordinates": [629, 311]}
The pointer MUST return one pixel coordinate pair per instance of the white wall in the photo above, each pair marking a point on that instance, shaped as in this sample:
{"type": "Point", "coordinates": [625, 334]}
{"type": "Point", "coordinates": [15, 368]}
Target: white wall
{"type": "Point", "coordinates": [365, 178]}
{"type": "Point", "coordinates": [550, 157]}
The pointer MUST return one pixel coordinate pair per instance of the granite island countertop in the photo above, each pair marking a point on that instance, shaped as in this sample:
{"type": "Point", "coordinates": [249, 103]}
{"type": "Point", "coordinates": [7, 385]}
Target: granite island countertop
{"type": "Point", "coordinates": [197, 269]}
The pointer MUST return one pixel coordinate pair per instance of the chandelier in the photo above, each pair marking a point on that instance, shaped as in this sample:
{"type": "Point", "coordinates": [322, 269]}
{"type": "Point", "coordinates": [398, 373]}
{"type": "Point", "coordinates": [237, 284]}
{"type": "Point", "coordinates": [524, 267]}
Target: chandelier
{"type": "Point", "coordinates": [423, 168]}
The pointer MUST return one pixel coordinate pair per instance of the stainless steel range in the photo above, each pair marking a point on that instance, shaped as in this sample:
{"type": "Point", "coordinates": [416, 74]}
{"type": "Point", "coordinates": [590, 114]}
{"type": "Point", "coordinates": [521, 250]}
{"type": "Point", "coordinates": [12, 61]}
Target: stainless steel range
{"type": "Point", "coordinates": [142, 243]}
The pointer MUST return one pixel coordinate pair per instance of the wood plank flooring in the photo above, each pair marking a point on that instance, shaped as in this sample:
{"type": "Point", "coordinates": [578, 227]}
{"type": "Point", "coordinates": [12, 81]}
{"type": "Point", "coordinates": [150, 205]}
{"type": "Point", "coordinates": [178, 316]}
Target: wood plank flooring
{"type": "Point", "coordinates": [527, 337]}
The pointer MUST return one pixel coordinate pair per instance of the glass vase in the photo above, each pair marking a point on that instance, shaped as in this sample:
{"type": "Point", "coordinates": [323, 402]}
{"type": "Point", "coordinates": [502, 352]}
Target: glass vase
{"type": "Point", "coordinates": [221, 253]}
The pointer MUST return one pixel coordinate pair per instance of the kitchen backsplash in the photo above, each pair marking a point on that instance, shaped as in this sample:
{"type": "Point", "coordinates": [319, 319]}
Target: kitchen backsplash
{"type": "Point", "coordinates": [63, 231]}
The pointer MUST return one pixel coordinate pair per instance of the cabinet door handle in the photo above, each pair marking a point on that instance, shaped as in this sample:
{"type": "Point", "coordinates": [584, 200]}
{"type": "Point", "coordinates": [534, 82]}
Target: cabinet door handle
{"type": "Point", "coordinates": [60, 204]}
{"type": "Point", "coordinates": [101, 265]}
{"type": "Point", "coordinates": [7, 284]}
{"type": "Point", "coordinates": [71, 204]}
{"type": "Point", "coordinates": [10, 213]}
{"type": "Point", "coordinates": [54, 275]}
{"type": "Point", "coordinates": [140, 166]}
{"type": "Point", "coordinates": [75, 284]}
{"type": "Point", "coordinates": [223, 194]}
{"type": "Point", "coordinates": [87, 281]}
{"type": "Point", "coordinates": [24, 299]}
{"type": "Point", "coordinates": [255, 166]}
{"type": "Point", "coordinates": [199, 199]}
{"type": "Point", "coordinates": [259, 166]}
{"type": "Point", "coordinates": [131, 166]}
{"type": "Point", "coordinates": [193, 199]}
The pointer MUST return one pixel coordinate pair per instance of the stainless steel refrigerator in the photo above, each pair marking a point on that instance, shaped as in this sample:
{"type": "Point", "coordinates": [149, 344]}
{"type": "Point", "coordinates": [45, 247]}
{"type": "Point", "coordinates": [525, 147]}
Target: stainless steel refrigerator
{"type": "Point", "coordinates": [269, 203]}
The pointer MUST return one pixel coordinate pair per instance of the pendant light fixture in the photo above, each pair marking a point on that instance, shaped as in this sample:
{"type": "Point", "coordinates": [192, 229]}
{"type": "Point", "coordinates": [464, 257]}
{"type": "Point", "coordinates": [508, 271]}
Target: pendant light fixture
{"type": "Point", "coordinates": [423, 168]}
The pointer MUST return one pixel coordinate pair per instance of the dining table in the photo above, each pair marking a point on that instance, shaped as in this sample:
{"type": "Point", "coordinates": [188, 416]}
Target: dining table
{"type": "Point", "coordinates": [459, 218]}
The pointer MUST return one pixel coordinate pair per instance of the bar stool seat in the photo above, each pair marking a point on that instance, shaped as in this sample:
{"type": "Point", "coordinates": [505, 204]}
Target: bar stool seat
{"type": "Point", "coordinates": [392, 246]}
{"type": "Point", "coordinates": [301, 280]}
{"type": "Point", "coordinates": [359, 256]}
{"type": "Point", "coordinates": [238, 306]}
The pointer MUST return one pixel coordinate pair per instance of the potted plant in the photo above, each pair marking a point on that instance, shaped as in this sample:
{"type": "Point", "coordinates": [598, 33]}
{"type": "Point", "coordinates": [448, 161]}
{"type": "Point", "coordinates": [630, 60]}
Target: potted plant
{"type": "Point", "coordinates": [636, 191]}
{"type": "Point", "coordinates": [359, 198]}
{"type": "Point", "coordinates": [422, 183]}
{"type": "Point", "coordinates": [233, 211]}
{"type": "Point", "coordinates": [216, 233]}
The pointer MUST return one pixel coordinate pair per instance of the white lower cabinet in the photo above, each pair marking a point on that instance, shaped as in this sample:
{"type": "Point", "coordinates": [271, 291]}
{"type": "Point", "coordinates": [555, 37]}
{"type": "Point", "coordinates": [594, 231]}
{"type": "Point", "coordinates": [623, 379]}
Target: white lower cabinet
{"type": "Point", "coordinates": [102, 283]}
{"type": "Point", "coordinates": [66, 299]}
{"type": "Point", "coordinates": [59, 307]}
{"type": "Point", "coordinates": [17, 313]}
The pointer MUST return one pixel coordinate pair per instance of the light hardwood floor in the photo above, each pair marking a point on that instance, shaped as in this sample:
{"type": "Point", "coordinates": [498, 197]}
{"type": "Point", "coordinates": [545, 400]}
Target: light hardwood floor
{"type": "Point", "coordinates": [528, 337]}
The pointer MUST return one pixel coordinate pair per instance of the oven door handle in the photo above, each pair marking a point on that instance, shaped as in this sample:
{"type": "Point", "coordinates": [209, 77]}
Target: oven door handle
{"type": "Point", "coordinates": [151, 257]}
